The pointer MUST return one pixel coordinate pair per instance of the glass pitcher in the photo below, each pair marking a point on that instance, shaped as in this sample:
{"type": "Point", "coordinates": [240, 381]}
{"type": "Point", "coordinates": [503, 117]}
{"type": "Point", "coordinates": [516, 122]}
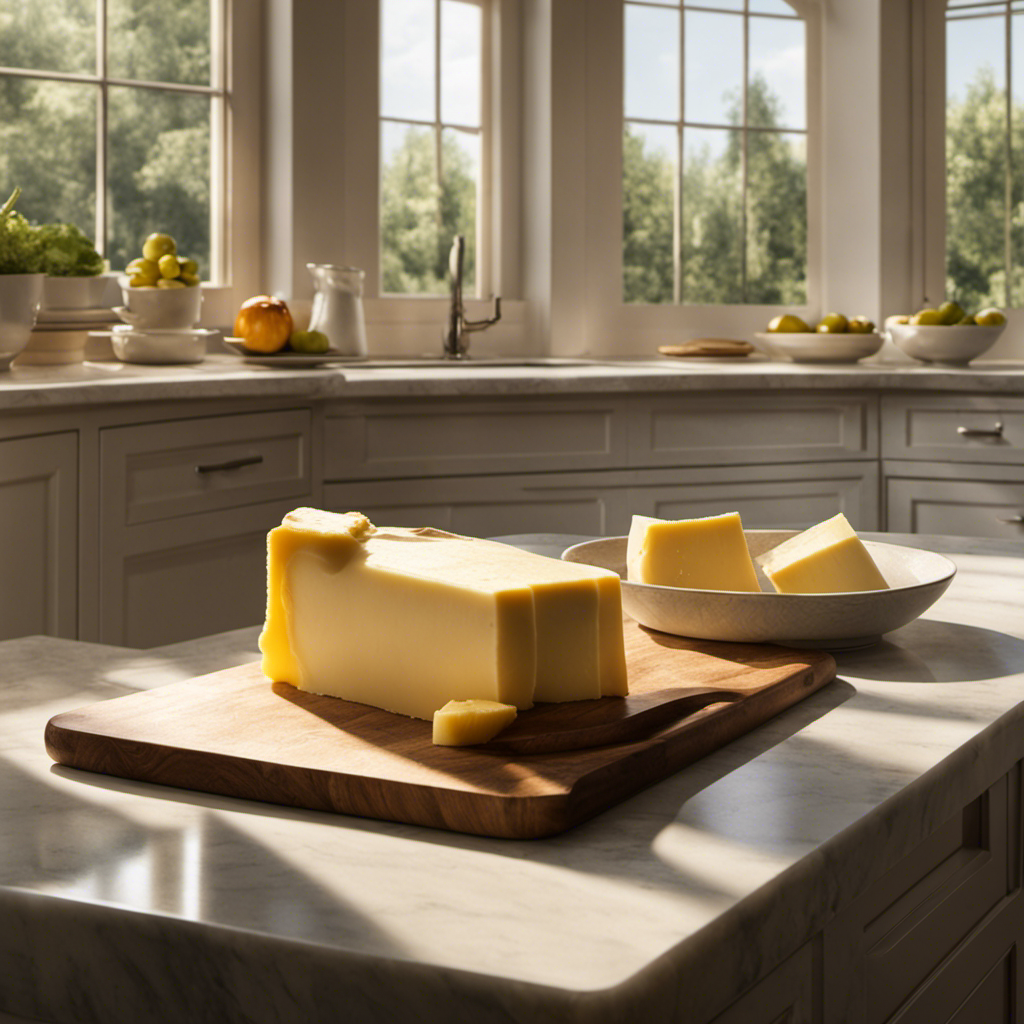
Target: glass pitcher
{"type": "Point", "coordinates": [338, 307]}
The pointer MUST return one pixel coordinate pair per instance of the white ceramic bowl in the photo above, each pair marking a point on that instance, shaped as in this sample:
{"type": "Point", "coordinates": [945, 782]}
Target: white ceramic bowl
{"type": "Point", "coordinates": [166, 346]}
{"type": "Point", "coordinates": [19, 304]}
{"type": "Point", "coordinates": [75, 292]}
{"type": "Point", "coordinates": [53, 348]}
{"type": "Point", "coordinates": [811, 347]}
{"type": "Point", "coordinates": [955, 345]}
{"type": "Point", "coordinates": [917, 579]}
{"type": "Point", "coordinates": [160, 307]}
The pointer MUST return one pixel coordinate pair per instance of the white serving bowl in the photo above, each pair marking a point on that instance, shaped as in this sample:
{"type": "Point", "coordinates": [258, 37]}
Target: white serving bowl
{"type": "Point", "coordinates": [53, 348]}
{"type": "Point", "coordinates": [167, 346]}
{"type": "Point", "coordinates": [19, 304]}
{"type": "Point", "coordinates": [75, 292]}
{"type": "Point", "coordinates": [916, 578]}
{"type": "Point", "coordinates": [160, 308]}
{"type": "Point", "coordinates": [811, 347]}
{"type": "Point", "coordinates": [954, 345]}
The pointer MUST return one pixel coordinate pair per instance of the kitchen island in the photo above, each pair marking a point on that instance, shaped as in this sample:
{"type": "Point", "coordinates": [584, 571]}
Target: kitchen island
{"type": "Point", "coordinates": [857, 858]}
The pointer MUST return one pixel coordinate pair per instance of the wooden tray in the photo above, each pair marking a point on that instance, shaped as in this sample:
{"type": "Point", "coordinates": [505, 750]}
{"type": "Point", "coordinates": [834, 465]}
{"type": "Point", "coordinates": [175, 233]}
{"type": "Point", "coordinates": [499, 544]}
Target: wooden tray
{"type": "Point", "coordinates": [237, 734]}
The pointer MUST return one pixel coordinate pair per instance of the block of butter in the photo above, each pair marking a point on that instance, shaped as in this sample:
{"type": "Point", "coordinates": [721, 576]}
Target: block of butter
{"type": "Point", "coordinates": [409, 619]}
{"type": "Point", "coordinates": [826, 559]}
{"type": "Point", "coordinates": [700, 554]}
{"type": "Point", "coordinates": [461, 723]}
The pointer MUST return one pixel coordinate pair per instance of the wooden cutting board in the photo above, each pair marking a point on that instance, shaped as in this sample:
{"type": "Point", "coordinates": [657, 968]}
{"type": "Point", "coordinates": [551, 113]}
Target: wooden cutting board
{"type": "Point", "coordinates": [237, 734]}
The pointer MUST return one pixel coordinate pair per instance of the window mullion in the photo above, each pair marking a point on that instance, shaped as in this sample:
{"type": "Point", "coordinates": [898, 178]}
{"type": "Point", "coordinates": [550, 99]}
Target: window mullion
{"type": "Point", "coordinates": [678, 263]}
{"type": "Point", "coordinates": [437, 112]}
{"type": "Point", "coordinates": [102, 118]}
{"type": "Point", "coordinates": [743, 148]}
{"type": "Point", "coordinates": [1008, 176]}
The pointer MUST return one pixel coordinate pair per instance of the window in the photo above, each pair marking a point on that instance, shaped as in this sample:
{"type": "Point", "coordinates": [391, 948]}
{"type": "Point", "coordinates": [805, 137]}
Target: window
{"type": "Point", "coordinates": [432, 142]}
{"type": "Point", "coordinates": [113, 117]}
{"type": "Point", "coordinates": [715, 153]}
{"type": "Point", "coordinates": [985, 153]}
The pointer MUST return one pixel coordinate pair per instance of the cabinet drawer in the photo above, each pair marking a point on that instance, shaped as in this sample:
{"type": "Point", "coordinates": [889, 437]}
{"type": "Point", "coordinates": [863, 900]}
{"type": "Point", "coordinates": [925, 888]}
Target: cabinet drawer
{"type": "Point", "coordinates": [887, 944]}
{"type": "Point", "coordinates": [959, 428]}
{"type": "Point", "coordinates": [723, 430]}
{"type": "Point", "coordinates": [162, 470]}
{"type": "Point", "coordinates": [976, 501]}
{"type": "Point", "coordinates": [448, 438]}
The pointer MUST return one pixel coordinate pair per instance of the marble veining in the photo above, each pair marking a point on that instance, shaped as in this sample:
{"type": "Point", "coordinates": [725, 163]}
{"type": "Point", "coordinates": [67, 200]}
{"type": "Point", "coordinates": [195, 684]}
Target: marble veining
{"type": "Point", "coordinates": [123, 901]}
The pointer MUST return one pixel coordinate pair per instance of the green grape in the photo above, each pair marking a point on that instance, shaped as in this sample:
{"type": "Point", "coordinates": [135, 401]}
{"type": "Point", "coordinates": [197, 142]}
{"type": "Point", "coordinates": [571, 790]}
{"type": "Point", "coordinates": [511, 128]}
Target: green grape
{"type": "Point", "coordinates": [139, 281]}
{"type": "Point", "coordinates": [157, 245]}
{"type": "Point", "coordinates": [169, 266]}
{"type": "Point", "coordinates": [191, 280]}
{"type": "Point", "coordinates": [167, 282]}
{"type": "Point", "coordinates": [188, 266]}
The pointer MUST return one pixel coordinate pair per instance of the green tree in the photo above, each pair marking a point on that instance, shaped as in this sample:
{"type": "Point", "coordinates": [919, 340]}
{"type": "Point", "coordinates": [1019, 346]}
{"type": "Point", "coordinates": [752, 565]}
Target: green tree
{"type": "Point", "coordinates": [421, 216]}
{"type": "Point", "coordinates": [158, 148]}
{"type": "Point", "coordinates": [713, 246]}
{"type": "Point", "coordinates": [976, 184]}
{"type": "Point", "coordinates": [647, 213]}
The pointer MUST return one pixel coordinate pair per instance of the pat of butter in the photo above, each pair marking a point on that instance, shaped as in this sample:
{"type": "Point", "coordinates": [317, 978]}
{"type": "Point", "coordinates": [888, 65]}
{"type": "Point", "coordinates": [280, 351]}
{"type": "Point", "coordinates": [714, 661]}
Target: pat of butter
{"type": "Point", "coordinates": [408, 619]}
{"type": "Point", "coordinates": [699, 554]}
{"type": "Point", "coordinates": [826, 559]}
{"type": "Point", "coordinates": [461, 723]}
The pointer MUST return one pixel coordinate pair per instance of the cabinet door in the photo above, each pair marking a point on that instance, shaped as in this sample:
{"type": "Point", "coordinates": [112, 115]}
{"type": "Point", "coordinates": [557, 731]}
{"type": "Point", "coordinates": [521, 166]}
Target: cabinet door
{"type": "Point", "coordinates": [39, 521]}
{"type": "Point", "coordinates": [766, 497]}
{"type": "Point", "coordinates": [188, 577]}
{"type": "Point", "coordinates": [786, 996]}
{"type": "Point", "coordinates": [958, 501]}
{"type": "Point", "coordinates": [602, 503]}
{"type": "Point", "coordinates": [185, 510]}
{"type": "Point", "coordinates": [923, 937]}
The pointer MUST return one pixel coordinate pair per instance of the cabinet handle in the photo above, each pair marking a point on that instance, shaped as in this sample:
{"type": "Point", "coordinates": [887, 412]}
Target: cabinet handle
{"type": "Point", "coordinates": [218, 467]}
{"type": "Point", "coordinates": [1013, 519]}
{"type": "Point", "coordinates": [996, 431]}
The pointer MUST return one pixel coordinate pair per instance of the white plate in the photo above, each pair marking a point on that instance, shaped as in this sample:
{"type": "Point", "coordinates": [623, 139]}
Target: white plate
{"type": "Point", "coordinates": [917, 579]}
{"type": "Point", "coordinates": [811, 347]}
{"type": "Point", "coordinates": [288, 360]}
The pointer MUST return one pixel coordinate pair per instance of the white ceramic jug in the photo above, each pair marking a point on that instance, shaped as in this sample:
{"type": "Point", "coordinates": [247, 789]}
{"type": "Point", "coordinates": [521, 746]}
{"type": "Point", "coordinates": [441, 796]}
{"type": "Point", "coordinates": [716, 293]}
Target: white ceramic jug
{"type": "Point", "coordinates": [338, 307]}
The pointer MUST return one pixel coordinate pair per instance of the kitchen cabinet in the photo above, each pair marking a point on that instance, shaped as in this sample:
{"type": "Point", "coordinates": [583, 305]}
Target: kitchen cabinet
{"type": "Point", "coordinates": [185, 510]}
{"type": "Point", "coordinates": [604, 502]}
{"type": "Point", "coordinates": [39, 524]}
{"type": "Point", "coordinates": [954, 464]}
{"type": "Point", "coordinates": [584, 465]}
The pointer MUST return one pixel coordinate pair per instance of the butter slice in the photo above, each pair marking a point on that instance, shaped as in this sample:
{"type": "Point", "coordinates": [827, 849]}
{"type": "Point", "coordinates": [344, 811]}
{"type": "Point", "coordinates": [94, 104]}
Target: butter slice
{"type": "Point", "coordinates": [461, 723]}
{"type": "Point", "coordinates": [826, 559]}
{"type": "Point", "coordinates": [699, 554]}
{"type": "Point", "coordinates": [409, 619]}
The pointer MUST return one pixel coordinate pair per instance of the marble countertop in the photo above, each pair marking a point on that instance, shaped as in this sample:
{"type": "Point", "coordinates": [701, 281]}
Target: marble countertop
{"type": "Point", "coordinates": [225, 376]}
{"type": "Point", "coordinates": [130, 902]}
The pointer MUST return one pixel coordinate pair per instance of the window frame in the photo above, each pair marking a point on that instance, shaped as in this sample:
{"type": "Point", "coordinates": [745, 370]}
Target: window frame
{"type": "Point", "coordinates": [235, 111]}
{"type": "Point", "coordinates": [613, 326]}
{"type": "Point", "coordinates": [398, 325]}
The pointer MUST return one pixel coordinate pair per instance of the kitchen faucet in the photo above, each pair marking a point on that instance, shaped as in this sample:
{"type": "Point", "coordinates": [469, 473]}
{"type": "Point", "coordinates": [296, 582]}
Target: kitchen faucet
{"type": "Point", "coordinates": [456, 342]}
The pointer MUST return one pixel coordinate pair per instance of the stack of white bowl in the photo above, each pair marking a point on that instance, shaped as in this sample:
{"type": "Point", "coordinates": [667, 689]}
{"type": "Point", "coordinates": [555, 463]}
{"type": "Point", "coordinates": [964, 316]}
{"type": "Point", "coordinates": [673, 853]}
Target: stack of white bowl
{"type": "Point", "coordinates": [69, 309]}
{"type": "Point", "coordinates": [160, 326]}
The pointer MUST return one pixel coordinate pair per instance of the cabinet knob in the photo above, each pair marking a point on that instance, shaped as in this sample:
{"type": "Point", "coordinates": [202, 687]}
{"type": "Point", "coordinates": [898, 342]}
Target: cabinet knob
{"type": "Point", "coordinates": [1013, 519]}
{"type": "Point", "coordinates": [220, 467]}
{"type": "Point", "coordinates": [996, 431]}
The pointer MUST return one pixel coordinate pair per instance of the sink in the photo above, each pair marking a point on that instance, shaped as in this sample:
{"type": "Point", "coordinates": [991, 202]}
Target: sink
{"type": "Point", "coordinates": [431, 362]}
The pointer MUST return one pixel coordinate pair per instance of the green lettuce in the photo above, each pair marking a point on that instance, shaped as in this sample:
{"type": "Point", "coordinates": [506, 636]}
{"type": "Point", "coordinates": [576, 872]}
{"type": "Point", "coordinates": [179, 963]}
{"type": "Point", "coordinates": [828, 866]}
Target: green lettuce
{"type": "Point", "coordinates": [68, 252]}
{"type": "Point", "coordinates": [60, 250]}
{"type": "Point", "coordinates": [21, 250]}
